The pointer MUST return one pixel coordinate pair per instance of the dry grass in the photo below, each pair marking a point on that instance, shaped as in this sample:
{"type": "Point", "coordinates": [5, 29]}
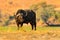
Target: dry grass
{"type": "Point", "coordinates": [25, 33]}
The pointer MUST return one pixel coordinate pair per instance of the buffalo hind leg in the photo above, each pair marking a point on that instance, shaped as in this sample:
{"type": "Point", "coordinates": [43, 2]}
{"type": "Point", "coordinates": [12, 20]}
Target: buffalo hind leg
{"type": "Point", "coordinates": [35, 27]}
{"type": "Point", "coordinates": [31, 25]}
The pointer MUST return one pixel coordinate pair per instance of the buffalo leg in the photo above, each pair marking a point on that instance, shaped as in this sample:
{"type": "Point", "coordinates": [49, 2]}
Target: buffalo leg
{"type": "Point", "coordinates": [31, 25]}
{"type": "Point", "coordinates": [18, 26]}
{"type": "Point", "coordinates": [21, 24]}
{"type": "Point", "coordinates": [35, 27]}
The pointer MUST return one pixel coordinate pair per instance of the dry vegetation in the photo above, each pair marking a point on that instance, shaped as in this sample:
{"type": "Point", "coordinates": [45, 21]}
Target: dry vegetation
{"type": "Point", "coordinates": [29, 36]}
{"type": "Point", "coordinates": [25, 33]}
{"type": "Point", "coordinates": [10, 32]}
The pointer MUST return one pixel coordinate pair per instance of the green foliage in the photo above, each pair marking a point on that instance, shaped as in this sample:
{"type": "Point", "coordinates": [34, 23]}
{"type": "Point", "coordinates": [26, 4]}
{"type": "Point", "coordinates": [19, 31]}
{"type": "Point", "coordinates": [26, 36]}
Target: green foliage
{"type": "Point", "coordinates": [43, 11]}
{"type": "Point", "coordinates": [57, 16]}
{"type": "Point", "coordinates": [7, 23]}
{"type": "Point", "coordinates": [11, 17]}
{"type": "Point", "coordinates": [47, 12]}
{"type": "Point", "coordinates": [34, 7]}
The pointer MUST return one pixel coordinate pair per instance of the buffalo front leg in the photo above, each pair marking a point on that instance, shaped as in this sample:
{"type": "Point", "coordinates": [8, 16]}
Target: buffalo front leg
{"type": "Point", "coordinates": [18, 26]}
{"type": "Point", "coordinates": [21, 24]}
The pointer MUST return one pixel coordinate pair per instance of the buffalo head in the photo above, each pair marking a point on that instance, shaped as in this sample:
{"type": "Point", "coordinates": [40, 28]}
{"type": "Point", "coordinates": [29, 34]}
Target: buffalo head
{"type": "Point", "coordinates": [19, 17]}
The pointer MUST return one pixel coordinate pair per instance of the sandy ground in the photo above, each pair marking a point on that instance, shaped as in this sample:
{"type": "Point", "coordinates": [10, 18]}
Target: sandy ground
{"type": "Point", "coordinates": [32, 35]}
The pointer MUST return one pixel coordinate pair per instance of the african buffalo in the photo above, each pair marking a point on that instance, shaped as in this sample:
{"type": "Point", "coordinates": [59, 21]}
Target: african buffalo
{"type": "Point", "coordinates": [25, 16]}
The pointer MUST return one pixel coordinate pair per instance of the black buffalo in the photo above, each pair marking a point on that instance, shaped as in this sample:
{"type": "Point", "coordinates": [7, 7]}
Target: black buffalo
{"type": "Point", "coordinates": [25, 16]}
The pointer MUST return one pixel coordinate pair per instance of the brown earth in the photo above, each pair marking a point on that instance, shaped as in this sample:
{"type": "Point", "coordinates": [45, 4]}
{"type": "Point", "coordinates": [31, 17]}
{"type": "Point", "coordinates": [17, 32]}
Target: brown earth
{"type": "Point", "coordinates": [32, 35]}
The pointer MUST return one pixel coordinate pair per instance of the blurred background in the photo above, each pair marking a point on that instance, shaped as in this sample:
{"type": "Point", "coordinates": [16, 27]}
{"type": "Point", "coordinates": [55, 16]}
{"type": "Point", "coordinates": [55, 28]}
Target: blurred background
{"type": "Point", "coordinates": [47, 11]}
